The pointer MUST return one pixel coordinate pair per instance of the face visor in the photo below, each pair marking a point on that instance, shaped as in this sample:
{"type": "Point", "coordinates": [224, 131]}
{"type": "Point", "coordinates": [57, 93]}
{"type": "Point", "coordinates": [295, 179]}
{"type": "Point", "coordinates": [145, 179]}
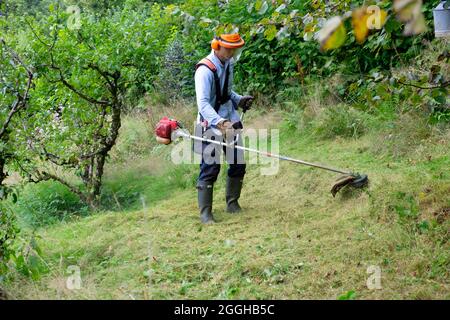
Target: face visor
{"type": "Point", "coordinates": [237, 54]}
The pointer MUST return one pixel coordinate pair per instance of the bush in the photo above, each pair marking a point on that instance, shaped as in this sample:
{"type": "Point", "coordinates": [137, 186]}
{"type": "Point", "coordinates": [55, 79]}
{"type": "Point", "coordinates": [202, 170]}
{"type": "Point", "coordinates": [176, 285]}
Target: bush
{"type": "Point", "coordinates": [341, 120]}
{"type": "Point", "coordinates": [175, 78]}
{"type": "Point", "coordinates": [46, 203]}
{"type": "Point", "coordinates": [19, 251]}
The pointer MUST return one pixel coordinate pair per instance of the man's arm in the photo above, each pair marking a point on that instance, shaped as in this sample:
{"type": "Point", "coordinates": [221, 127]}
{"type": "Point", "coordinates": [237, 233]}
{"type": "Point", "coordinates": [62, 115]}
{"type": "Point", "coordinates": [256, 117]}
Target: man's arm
{"type": "Point", "coordinates": [236, 98]}
{"type": "Point", "coordinates": [241, 102]}
{"type": "Point", "coordinates": [204, 80]}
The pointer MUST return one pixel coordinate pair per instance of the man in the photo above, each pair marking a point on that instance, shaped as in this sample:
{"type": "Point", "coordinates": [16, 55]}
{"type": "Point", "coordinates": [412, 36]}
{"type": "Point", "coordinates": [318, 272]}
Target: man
{"type": "Point", "coordinates": [217, 106]}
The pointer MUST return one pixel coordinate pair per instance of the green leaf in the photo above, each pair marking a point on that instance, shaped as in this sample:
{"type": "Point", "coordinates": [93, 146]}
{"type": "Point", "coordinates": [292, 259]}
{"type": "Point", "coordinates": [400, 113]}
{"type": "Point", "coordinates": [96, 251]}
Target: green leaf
{"type": "Point", "coordinates": [441, 99]}
{"type": "Point", "coordinates": [35, 246]}
{"type": "Point", "coordinates": [270, 32]}
{"type": "Point", "coordinates": [423, 226]}
{"type": "Point", "coordinates": [261, 6]}
{"type": "Point", "coordinates": [281, 8]}
{"type": "Point", "coordinates": [250, 7]}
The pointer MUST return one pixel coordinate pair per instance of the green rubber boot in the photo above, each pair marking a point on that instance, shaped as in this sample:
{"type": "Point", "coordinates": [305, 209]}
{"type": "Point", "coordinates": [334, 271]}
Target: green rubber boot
{"type": "Point", "coordinates": [205, 200]}
{"type": "Point", "coordinates": [233, 193]}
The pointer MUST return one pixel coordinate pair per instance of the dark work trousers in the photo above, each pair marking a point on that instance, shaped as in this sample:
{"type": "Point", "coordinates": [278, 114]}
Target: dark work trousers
{"type": "Point", "coordinates": [211, 158]}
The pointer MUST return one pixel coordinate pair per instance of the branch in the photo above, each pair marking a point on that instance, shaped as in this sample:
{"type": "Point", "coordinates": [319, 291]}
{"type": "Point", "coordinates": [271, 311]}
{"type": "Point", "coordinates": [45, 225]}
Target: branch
{"type": "Point", "coordinates": [108, 141]}
{"type": "Point", "coordinates": [106, 75]}
{"type": "Point", "coordinates": [21, 101]}
{"type": "Point", "coordinates": [35, 34]}
{"type": "Point", "coordinates": [75, 90]}
{"type": "Point", "coordinates": [15, 56]}
{"type": "Point", "coordinates": [83, 40]}
{"type": "Point", "coordinates": [44, 176]}
{"type": "Point", "coordinates": [55, 159]}
{"type": "Point", "coordinates": [22, 169]}
{"type": "Point", "coordinates": [61, 77]}
{"type": "Point", "coordinates": [443, 85]}
{"type": "Point", "coordinates": [129, 64]}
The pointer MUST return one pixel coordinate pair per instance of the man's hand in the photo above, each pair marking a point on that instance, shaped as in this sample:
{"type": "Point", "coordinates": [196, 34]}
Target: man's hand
{"type": "Point", "coordinates": [228, 130]}
{"type": "Point", "coordinates": [225, 127]}
{"type": "Point", "coordinates": [245, 103]}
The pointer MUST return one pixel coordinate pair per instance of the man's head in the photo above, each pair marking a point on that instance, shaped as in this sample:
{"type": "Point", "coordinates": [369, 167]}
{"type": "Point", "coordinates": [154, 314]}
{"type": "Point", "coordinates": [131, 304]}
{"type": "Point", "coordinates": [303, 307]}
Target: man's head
{"type": "Point", "coordinates": [226, 45]}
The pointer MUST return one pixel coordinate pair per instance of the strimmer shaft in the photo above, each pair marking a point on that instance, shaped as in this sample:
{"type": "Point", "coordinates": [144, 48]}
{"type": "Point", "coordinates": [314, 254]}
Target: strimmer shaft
{"type": "Point", "coordinates": [267, 154]}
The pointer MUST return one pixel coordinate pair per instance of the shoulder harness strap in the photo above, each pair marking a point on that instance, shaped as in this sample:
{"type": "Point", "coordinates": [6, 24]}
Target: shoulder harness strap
{"type": "Point", "coordinates": [208, 63]}
{"type": "Point", "coordinates": [220, 98]}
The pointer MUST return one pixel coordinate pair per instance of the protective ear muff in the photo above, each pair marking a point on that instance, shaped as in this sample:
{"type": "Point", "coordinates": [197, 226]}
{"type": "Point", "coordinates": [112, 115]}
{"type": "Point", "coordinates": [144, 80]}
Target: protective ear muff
{"type": "Point", "coordinates": [215, 43]}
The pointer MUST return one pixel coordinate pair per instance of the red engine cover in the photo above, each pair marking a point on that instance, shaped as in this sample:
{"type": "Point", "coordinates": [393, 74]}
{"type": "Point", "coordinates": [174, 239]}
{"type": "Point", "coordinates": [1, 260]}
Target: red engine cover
{"type": "Point", "coordinates": [165, 127]}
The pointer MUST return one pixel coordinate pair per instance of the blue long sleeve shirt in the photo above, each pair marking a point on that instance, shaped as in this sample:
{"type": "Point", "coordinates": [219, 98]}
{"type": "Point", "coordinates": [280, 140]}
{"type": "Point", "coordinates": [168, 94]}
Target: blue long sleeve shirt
{"type": "Point", "coordinates": [205, 90]}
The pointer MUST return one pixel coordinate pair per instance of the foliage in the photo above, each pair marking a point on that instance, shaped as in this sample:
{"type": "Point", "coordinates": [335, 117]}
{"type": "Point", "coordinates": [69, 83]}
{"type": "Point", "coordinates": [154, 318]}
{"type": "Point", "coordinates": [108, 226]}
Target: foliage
{"type": "Point", "coordinates": [87, 68]}
{"type": "Point", "coordinates": [279, 38]}
{"type": "Point", "coordinates": [16, 80]}
{"type": "Point", "coordinates": [20, 251]}
{"type": "Point", "coordinates": [173, 80]}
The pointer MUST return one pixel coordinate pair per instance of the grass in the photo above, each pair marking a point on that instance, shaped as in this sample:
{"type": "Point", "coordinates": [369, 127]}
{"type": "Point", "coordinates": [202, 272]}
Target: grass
{"type": "Point", "coordinates": [293, 240]}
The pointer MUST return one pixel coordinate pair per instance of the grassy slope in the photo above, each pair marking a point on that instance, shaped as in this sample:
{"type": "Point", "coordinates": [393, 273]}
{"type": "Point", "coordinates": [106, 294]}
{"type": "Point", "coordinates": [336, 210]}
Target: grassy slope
{"type": "Point", "coordinates": [292, 241]}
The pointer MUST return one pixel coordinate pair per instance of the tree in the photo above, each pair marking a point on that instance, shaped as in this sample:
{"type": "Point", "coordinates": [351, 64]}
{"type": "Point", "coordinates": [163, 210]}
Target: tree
{"type": "Point", "coordinates": [85, 68]}
{"type": "Point", "coordinates": [16, 80]}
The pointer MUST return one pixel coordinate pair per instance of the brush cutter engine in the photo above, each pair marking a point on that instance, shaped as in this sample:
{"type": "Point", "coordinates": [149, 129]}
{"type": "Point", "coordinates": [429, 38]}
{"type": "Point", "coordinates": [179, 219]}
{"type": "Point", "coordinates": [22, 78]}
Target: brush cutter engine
{"type": "Point", "coordinates": [164, 130]}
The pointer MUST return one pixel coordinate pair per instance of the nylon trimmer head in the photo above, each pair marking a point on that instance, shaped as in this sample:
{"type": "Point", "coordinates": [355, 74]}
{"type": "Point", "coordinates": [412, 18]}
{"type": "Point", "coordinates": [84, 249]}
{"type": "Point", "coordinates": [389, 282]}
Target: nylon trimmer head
{"type": "Point", "coordinates": [353, 180]}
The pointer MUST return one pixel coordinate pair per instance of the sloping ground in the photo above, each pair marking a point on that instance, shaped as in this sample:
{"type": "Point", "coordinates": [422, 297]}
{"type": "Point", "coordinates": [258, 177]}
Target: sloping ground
{"type": "Point", "coordinates": [293, 241]}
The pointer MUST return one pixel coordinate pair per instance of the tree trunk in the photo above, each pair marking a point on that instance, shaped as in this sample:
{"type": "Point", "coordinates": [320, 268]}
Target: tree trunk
{"type": "Point", "coordinates": [3, 174]}
{"type": "Point", "coordinates": [97, 165]}
{"type": "Point", "coordinates": [97, 177]}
